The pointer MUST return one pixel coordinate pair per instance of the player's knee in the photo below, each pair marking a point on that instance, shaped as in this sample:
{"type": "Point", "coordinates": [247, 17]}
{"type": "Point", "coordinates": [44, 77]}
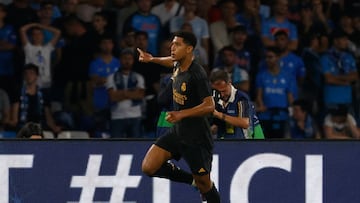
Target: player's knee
{"type": "Point", "coordinates": [147, 169]}
{"type": "Point", "coordinates": [203, 185]}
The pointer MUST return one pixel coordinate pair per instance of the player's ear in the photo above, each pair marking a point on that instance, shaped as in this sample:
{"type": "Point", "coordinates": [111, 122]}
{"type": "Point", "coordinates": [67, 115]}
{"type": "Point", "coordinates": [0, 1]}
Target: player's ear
{"type": "Point", "coordinates": [189, 49]}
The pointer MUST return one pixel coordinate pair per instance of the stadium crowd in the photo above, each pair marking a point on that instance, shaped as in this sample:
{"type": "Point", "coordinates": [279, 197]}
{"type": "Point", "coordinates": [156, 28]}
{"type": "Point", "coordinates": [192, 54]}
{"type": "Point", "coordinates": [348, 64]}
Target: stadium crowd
{"type": "Point", "coordinates": [73, 64]}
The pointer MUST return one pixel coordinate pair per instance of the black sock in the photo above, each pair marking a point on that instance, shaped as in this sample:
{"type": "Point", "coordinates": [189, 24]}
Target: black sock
{"type": "Point", "coordinates": [174, 173]}
{"type": "Point", "coordinates": [212, 196]}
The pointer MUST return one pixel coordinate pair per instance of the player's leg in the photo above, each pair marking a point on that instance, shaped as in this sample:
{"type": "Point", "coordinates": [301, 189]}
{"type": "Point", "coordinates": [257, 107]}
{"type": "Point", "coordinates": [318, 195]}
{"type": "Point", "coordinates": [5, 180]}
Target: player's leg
{"type": "Point", "coordinates": [207, 188]}
{"type": "Point", "coordinates": [154, 159]}
{"type": "Point", "coordinates": [199, 158]}
{"type": "Point", "coordinates": [156, 164]}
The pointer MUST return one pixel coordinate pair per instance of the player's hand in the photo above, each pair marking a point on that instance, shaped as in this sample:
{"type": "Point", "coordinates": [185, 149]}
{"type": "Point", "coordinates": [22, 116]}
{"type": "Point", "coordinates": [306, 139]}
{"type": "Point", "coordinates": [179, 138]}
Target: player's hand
{"type": "Point", "coordinates": [144, 56]}
{"type": "Point", "coordinates": [217, 114]}
{"type": "Point", "coordinates": [173, 116]}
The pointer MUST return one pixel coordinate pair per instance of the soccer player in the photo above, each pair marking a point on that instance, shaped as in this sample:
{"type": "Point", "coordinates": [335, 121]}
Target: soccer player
{"type": "Point", "coordinates": [190, 137]}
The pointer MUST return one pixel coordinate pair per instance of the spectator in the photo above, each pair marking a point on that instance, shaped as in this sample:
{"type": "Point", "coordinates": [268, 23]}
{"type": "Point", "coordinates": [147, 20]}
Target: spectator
{"type": "Point", "coordinates": [77, 55]}
{"type": "Point", "coordinates": [199, 25]}
{"type": "Point", "coordinates": [312, 20]}
{"type": "Point", "coordinates": [85, 10]}
{"type": "Point", "coordinates": [250, 16]}
{"type": "Point", "coordinates": [320, 16]}
{"type": "Point", "coordinates": [274, 95]}
{"type": "Point", "coordinates": [126, 89]}
{"type": "Point", "coordinates": [289, 61]}
{"type": "Point", "coordinates": [127, 41]}
{"type": "Point", "coordinates": [123, 9]}
{"type": "Point", "coordinates": [167, 10]}
{"type": "Point", "coordinates": [208, 10]}
{"type": "Point", "coordinates": [45, 15]}
{"type": "Point", "coordinates": [339, 124]}
{"type": "Point", "coordinates": [151, 73]}
{"type": "Point", "coordinates": [339, 70]}
{"type": "Point", "coordinates": [68, 8]}
{"type": "Point", "coordinates": [234, 112]}
{"type": "Point", "coordinates": [346, 25]}
{"type": "Point", "coordinates": [302, 124]}
{"type": "Point", "coordinates": [144, 20]}
{"type": "Point", "coordinates": [313, 80]}
{"type": "Point", "coordinates": [100, 26]}
{"type": "Point", "coordinates": [100, 68]}
{"type": "Point", "coordinates": [278, 22]}
{"type": "Point", "coordinates": [20, 13]}
{"type": "Point", "coordinates": [221, 28]}
{"type": "Point", "coordinates": [55, 10]}
{"type": "Point", "coordinates": [238, 38]}
{"type": "Point", "coordinates": [239, 76]}
{"type": "Point", "coordinates": [31, 130]}
{"type": "Point", "coordinates": [45, 12]}
{"type": "Point", "coordinates": [7, 47]}
{"type": "Point", "coordinates": [37, 52]}
{"type": "Point", "coordinates": [31, 104]}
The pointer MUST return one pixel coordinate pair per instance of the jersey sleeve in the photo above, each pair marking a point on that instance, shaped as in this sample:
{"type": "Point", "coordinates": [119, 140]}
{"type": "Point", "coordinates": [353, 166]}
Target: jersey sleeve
{"type": "Point", "coordinates": [202, 83]}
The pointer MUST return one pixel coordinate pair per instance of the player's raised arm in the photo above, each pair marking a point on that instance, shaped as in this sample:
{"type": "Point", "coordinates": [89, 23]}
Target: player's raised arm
{"type": "Point", "coordinates": [146, 57]}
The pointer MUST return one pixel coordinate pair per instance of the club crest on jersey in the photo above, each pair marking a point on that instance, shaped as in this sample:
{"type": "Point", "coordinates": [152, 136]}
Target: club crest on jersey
{"type": "Point", "coordinates": [183, 87]}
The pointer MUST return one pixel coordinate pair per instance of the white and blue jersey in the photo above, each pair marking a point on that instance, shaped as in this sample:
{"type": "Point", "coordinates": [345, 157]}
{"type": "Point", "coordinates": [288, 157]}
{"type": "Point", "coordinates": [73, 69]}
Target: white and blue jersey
{"type": "Point", "coordinates": [102, 69]}
{"type": "Point", "coordinates": [7, 34]}
{"type": "Point", "coordinates": [337, 63]}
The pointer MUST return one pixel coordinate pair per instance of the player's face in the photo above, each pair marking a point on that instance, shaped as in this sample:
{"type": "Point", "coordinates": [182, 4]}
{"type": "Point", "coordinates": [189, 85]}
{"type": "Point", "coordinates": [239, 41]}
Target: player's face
{"type": "Point", "coordinates": [223, 88]}
{"type": "Point", "coordinates": [179, 49]}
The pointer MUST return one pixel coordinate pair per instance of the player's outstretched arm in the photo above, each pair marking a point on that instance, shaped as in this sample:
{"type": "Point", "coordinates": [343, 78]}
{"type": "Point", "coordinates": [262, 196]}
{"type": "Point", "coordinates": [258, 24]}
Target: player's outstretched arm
{"type": "Point", "coordinates": [147, 57]}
